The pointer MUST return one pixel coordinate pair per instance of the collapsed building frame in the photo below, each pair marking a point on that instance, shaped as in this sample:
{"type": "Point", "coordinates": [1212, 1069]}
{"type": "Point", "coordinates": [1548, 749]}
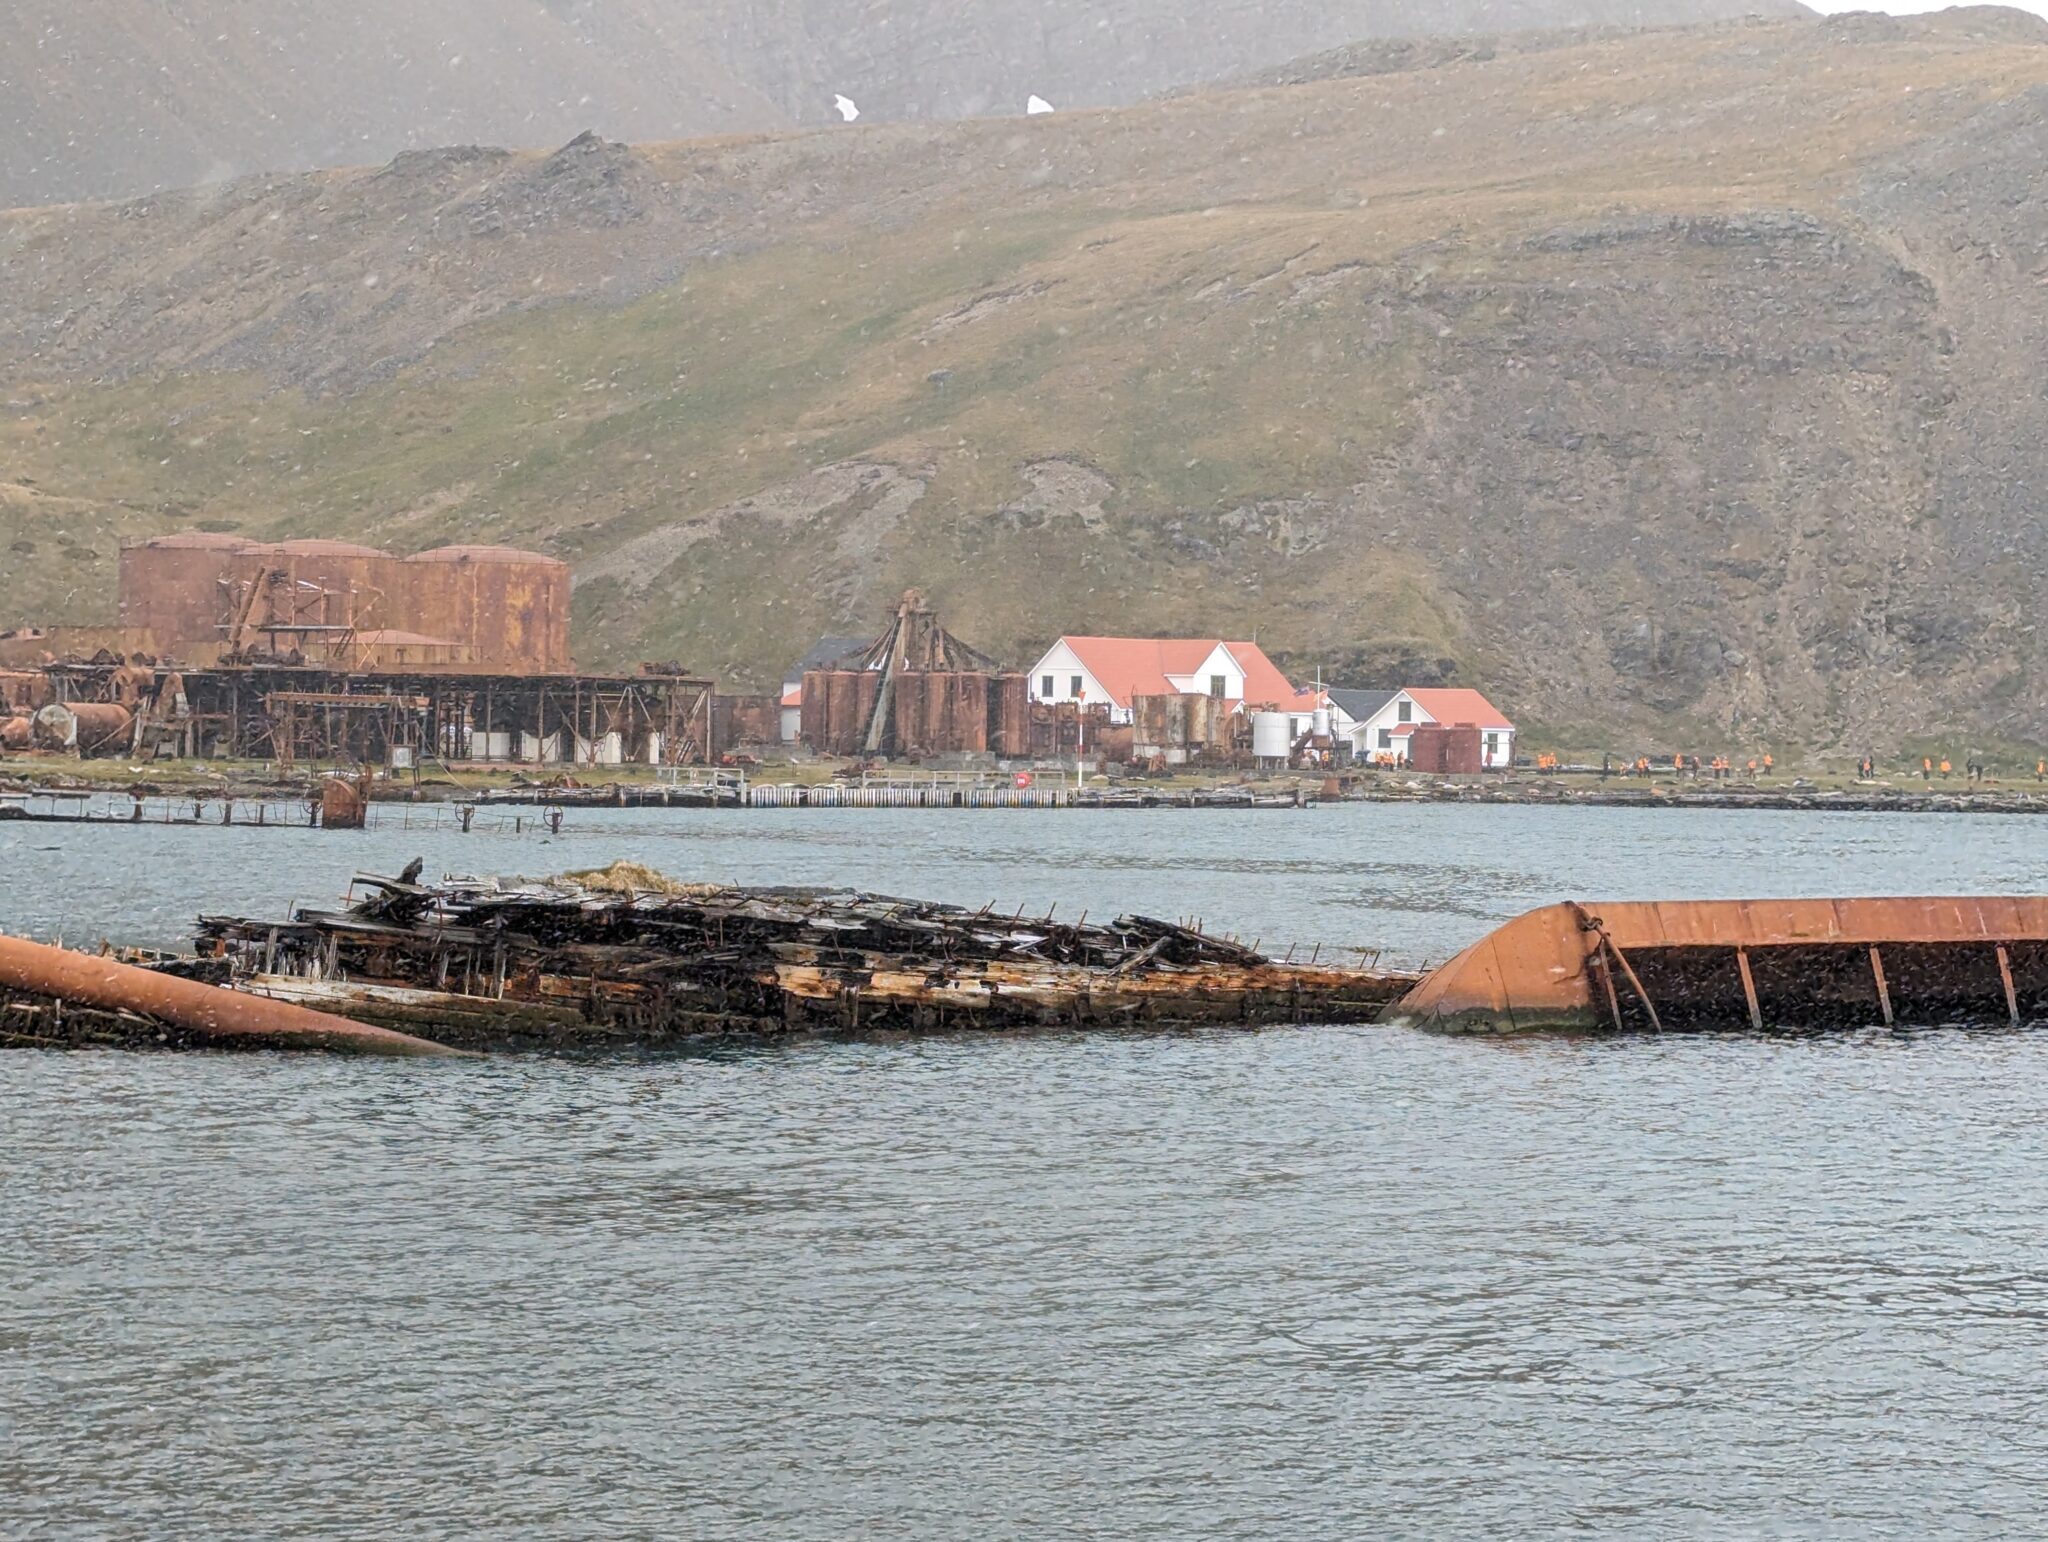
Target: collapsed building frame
{"type": "Point", "coordinates": [291, 713]}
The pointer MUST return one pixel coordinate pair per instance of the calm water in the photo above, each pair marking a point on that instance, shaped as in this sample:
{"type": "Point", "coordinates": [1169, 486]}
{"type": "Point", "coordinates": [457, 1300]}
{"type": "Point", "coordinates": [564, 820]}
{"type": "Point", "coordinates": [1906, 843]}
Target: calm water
{"type": "Point", "coordinates": [1300, 1283]}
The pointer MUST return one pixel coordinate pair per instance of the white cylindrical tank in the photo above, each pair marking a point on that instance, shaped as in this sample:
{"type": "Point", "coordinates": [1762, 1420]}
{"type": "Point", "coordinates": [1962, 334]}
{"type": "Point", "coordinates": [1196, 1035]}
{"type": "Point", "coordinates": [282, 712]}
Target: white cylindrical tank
{"type": "Point", "coordinates": [654, 747]}
{"type": "Point", "coordinates": [401, 757]}
{"type": "Point", "coordinates": [1272, 735]}
{"type": "Point", "coordinates": [1319, 723]}
{"type": "Point", "coordinates": [611, 750]}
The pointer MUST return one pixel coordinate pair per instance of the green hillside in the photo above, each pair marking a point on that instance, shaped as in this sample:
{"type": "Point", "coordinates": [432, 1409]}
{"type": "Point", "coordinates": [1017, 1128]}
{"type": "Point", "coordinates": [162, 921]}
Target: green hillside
{"type": "Point", "coordinates": [1645, 380]}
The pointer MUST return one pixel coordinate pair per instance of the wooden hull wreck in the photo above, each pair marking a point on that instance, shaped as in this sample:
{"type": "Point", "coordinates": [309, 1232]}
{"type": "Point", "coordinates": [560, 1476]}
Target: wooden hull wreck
{"type": "Point", "coordinates": [565, 965]}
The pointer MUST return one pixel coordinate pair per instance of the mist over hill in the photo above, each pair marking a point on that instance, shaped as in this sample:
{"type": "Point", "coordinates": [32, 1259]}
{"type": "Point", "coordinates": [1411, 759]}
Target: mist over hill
{"type": "Point", "coordinates": [112, 98]}
{"type": "Point", "coordinates": [1686, 380]}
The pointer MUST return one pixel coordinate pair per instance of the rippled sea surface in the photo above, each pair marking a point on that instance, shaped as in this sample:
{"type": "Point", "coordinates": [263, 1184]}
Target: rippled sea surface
{"type": "Point", "coordinates": [1295, 1283]}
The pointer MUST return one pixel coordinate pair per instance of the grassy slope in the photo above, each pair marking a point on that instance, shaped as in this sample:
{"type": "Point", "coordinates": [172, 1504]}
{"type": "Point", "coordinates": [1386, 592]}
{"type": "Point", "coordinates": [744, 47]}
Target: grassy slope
{"type": "Point", "coordinates": [1150, 343]}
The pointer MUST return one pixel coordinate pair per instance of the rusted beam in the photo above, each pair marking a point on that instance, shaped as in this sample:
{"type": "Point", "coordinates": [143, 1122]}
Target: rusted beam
{"type": "Point", "coordinates": [2012, 999]}
{"type": "Point", "coordinates": [205, 1010]}
{"type": "Point", "coordinates": [1756, 1014]}
{"type": "Point", "coordinates": [1884, 994]}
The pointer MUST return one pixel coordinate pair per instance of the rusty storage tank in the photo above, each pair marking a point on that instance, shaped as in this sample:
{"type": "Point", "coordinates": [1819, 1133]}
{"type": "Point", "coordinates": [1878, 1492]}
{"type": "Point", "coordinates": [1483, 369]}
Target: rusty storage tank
{"type": "Point", "coordinates": [967, 712]}
{"type": "Point", "coordinates": [919, 699]}
{"type": "Point", "coordinates": [1439, 749]}
{"type": "Point", "coordinates": [173, 586]}
{"type": "Point", "coordinates": [342, 584]}
{"type": "Point", "coordinates": [836, 708]}
{"type": "Point", "coordinates": [89, 728]}
{"type": "Point", "coordinates": [15, 733]}
{"type": "Point", "coordinates": [814, 711]}
{"type": "Point", "coordinates": [510, 607]}
{"type": "Point", "coordinates": [1009, 715]}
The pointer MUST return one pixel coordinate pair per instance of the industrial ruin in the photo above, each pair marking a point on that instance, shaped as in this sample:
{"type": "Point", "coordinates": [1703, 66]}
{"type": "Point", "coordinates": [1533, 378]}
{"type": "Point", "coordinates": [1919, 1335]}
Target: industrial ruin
{"type": "Point", "coordinates": [327, 651]}
{"type": "Point", "coordinates": [916, 691]}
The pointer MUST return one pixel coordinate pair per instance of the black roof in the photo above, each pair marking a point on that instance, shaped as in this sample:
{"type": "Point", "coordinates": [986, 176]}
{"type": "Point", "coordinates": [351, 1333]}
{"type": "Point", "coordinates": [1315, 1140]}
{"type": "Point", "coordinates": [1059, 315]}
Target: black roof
{"type": "Point", "coordinates": [1360, 705]}
{"type": "Point", "coordinates": [826, 652]}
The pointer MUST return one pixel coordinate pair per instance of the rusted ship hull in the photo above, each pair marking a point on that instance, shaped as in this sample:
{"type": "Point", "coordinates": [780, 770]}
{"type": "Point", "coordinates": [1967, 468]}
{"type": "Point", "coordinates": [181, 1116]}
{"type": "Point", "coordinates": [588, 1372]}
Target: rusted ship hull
{"type": "Point", "coordinates": [1688, 964]}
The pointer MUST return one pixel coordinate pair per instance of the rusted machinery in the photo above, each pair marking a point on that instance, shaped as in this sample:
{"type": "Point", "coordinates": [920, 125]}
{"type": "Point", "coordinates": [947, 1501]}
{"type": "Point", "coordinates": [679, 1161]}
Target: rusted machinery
{"type": "Point", "coordinates": [1762, 963]}
{"type": "Point", "coordinates": [52, 995]}
{"type": "Point", "coordinates": [608, 959]}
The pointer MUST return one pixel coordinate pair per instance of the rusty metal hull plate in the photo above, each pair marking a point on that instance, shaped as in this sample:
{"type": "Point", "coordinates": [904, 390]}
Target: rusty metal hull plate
{"type": "Point", "coordinates": [1623, 965]}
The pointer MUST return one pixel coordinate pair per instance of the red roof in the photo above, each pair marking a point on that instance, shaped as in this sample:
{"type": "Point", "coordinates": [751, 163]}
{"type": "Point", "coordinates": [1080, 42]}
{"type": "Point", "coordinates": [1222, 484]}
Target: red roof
{"type": "Point", "coordinates": [1139, 666]}
{"type": "Point", "coordinates": [793, 697]}
{"type": "Point", "coordinates": [1462, 707]}
{"type": "Point", "coordinates": [1403, 730]}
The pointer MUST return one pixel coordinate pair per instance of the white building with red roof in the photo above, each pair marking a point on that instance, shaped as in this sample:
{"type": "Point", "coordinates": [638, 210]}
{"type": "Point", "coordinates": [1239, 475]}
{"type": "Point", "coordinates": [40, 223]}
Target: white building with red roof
{"type": "Point", "coordinates": [1386, 730]}
{"type": "Point", "coordinates": [1116, 670]}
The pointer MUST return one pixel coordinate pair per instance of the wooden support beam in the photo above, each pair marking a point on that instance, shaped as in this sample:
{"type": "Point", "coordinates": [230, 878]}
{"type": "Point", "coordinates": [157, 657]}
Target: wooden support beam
{"type": "Point", "coordinates": [1607, 979]}
{"type": "Point", "coordinates": [1629, 973]}
{"type": "Point", "coordinates": [1756, 1015]}
{"type": "Point", "coordinates": [2012, 998]}
{"type": "Point", "coordinates": [1884, 995]}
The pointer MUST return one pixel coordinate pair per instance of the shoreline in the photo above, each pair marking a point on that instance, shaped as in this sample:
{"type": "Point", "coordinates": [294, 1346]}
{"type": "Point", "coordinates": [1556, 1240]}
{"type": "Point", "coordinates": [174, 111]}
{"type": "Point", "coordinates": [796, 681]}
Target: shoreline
{"type": "Point", "coordinates": [216, 797]}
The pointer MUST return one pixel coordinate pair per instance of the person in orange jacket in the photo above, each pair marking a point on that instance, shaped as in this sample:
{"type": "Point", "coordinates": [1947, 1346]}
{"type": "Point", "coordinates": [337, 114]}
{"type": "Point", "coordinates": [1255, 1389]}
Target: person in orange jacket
{"type": "Point", "coordinates": [1946, 768]}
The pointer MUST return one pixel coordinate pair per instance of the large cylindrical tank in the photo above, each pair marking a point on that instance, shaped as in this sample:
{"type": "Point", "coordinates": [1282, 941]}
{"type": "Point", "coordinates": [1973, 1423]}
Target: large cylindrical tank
{"type": "Point", "coordinates": [172, 586]}
{"type": "Point", "coordinates": [509, 608]}
{"type": "Point", "coordinates": [333, 584]}
{"type": "Point", "coordinates": [1272, 735]}
{"type": "Point", "coordinates": [15, 733]}
{"type": "Point", "coordinates": [90, 728]}
{"type": "Point", "coordinates": [1319, 722]}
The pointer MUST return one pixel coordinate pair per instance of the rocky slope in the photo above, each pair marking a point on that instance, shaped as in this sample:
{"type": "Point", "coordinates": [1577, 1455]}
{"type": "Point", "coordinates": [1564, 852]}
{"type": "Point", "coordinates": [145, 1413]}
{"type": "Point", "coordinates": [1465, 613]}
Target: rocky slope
{"type": "Point", "coordinates": [112, 98]}
{"type": "Point", "coordinates": [1685, 382]}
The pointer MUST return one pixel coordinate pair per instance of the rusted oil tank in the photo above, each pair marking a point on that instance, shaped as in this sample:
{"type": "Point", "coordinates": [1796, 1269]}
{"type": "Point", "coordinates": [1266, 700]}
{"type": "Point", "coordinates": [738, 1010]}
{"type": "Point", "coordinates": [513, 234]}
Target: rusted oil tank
{"type": "Point", "coordinates": [88, 728]}
{"type": "Point", "coordinates": [344, 805]}
{"type": "Point", "coordinates": [1662, 965]}
{"type": "Point", "coordinates": [15, 733]}
{"type": "Point", "coordinates": [216, 1015]}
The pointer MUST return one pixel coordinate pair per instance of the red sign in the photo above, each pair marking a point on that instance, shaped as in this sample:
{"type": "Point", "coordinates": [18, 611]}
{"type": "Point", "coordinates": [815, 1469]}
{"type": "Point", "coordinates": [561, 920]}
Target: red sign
{"type": "Point", "coordinates": [1023, 778]}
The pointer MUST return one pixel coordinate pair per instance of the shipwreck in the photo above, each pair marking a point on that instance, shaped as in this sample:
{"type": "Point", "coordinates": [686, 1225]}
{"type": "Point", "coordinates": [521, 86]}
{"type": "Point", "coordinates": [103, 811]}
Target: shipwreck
{"type": "Point", "coordinates": [626, 958]}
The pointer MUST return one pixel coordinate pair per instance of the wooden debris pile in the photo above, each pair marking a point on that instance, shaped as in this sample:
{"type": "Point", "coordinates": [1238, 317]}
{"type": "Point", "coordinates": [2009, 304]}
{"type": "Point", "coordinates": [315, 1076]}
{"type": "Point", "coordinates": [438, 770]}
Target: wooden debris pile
{"type": "Point", "coordinates": [605, 959]}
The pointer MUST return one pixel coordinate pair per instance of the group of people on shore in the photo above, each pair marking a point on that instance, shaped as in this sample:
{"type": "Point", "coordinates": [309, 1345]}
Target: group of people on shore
{"type": "Point", "coordinates": [1717, 768]}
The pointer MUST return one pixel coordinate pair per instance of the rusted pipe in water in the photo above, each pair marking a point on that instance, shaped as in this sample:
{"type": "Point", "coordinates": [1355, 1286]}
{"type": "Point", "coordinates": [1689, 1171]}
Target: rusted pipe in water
{"type": "Point", "coordinates": [222, 1015]}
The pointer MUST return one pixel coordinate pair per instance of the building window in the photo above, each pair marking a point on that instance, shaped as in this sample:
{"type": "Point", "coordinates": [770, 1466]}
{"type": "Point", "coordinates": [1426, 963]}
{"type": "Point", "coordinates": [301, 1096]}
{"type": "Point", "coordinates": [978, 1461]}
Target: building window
{"type": "Point", "coordinates": [1386, 738]}
{"type": "Point", "coordinates": [1219, 686]}
{"type": "Point", "coordinates": [1045, 688]}
{"type": "Point", "coordinates": [1074, 687]}
{"type": "Point", "coordinates": [1492, 745]}
{"type": "Point", "coordinates": [1407, 712]}
{"type": "Point", "coordinates": [1294, 727]}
